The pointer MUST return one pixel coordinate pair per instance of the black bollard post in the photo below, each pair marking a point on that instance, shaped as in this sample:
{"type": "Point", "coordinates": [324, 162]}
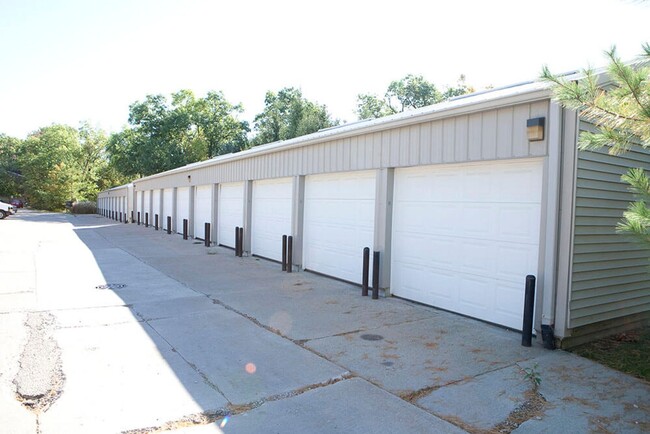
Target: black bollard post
{"type": "Point", "coordinates": [284, 253]}
{"type": "Point", "coordinates": [120, 217]}
{"type": "Point", "coordinates": [206, 237]}
{"type": "Point", "coordinates": [529, 302]}
{"type": "Point", "coordinates": [138, 218]}
{"type": "Point", "coordinates": [289, 254]}
{"type": "Point", "coordinates": [236, 240]}
{"type": "Point", "coordinates": [169, 225]}
{"type": "Point", "coordinates": [365, 271]}
{"type": "Point", "coordinates": [241, 242]}
{"type": "Point", "coordinates": [155, 219]}
{"type": "Point", "coordinates": [146, 220]}
{"type": "Point", "coordinates": [375, 275]}
{"type": "Point", "coordinates": [184, 229]}
{"type": "Point", "coordinates": [132, 220]}
{"type": "Point", "coordinates": [126, 219]}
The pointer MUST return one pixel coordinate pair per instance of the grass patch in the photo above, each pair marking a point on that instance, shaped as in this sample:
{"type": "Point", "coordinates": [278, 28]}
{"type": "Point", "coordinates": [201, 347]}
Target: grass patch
{"type": "Point", "coordinates": [626, 352]}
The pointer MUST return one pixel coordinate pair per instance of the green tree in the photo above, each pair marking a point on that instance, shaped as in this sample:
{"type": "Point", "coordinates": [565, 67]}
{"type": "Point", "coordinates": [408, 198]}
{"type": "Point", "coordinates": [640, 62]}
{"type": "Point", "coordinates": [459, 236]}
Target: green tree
{"type": "Point", "coordinates": [60, 163]}
{"type": "Point", "coordinates": [92, 160]}
{"type": "Point", "coordinates": [10, 174]}
{"type": "Point", "coordinates": [48, 162]}
{"type": "Point", "coordinates": [411, 92]}
{"type": "Point", "coordinates": [287, 114]}
{"type": "Point", "coordinates": [620, 109]}
{"type": "Point", "coordinates": [164, 135]}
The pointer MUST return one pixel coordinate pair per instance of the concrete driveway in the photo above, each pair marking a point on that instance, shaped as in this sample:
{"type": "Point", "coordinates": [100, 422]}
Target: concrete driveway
{"type": "Point", "coordinates": [109, 328]}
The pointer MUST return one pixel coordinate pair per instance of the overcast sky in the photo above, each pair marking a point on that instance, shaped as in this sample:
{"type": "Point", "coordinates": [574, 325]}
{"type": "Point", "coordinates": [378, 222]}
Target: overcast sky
{"type": "Point", "coordinates": [64, 61]}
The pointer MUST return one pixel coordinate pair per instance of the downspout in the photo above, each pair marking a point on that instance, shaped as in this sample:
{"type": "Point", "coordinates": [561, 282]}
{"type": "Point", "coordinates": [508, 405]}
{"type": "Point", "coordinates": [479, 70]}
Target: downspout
{"type": "Point", "coordinates": [552, 220]}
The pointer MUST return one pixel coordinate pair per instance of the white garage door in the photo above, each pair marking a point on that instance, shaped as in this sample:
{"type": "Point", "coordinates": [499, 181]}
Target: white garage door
{"type": "Point", "coordinates": [231, 211]}
{"type": "Point", "coordinates": [202, 209]}
{"type": "Point", "coordinates": [271, 216]}
{"type": "Point", "coordinates": [466, 236]}
{"type": "Point", "coordinates": [338, 223]}
{"type": "Point", "coordinates": [147, 207]}
{"type": "Point", "coordinates": [138, 205]}
{"type": "Point", "coordinates": [168, 204]}
{"type": "Point", "coordinates": [182, 208]}
{"type": "Point", "coordinates": [155, 204]}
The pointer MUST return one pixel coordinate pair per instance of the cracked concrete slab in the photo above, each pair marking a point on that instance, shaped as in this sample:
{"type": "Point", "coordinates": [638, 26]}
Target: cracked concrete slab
{"type": "Point", "coordinates": [14, 417]}
{"type": "Point", "coordinates": [337, 409]}
{"type": "Point", "coordinates": [431, 352]}
{"type": "Point", "coordinates": [39, 380]}
{"type": "Point", "coordinates": [606, 400]}
{"type": "Point", "coordinates": [246, 362]}
{"type": "Point", "coordinates": [177, 307]}
{"type": "Point", "coordinates": [124, 376]}
{"type": "Point", "coordinates": [486, 399]}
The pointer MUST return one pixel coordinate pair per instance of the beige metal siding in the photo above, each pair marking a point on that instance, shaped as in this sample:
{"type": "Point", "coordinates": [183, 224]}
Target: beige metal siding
{"type": "Point", "coordinates": [611, 274]}
{"type": "Point", "coordinates": [495, 134]}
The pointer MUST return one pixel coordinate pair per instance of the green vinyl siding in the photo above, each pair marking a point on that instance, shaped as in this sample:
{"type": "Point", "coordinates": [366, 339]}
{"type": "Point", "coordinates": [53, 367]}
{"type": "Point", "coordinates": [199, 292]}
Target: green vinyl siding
{"type": "Point", "coordinates": [610, 272]}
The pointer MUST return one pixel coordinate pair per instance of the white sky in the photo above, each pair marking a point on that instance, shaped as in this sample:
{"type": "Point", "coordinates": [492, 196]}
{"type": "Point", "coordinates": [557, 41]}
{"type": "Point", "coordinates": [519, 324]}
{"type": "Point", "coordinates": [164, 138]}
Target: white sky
{"type": "Point", "coordinates": [64, 61]}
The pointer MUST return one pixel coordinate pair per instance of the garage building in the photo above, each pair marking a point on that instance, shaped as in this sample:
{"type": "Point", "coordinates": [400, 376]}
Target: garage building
{"type": "Point", "coordinates": [457, 199]}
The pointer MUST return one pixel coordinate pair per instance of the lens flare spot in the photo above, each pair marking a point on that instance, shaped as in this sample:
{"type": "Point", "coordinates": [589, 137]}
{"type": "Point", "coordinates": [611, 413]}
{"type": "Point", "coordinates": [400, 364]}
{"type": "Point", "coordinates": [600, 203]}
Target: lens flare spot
{"type": "Point", "coordinates": [251, 368]}
{"type": "Point", "coordinates": [224, 422]}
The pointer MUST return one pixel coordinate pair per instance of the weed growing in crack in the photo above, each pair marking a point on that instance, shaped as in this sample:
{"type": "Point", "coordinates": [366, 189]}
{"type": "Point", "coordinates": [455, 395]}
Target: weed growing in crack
{"type": "Point", "coordinates": [533, 375]}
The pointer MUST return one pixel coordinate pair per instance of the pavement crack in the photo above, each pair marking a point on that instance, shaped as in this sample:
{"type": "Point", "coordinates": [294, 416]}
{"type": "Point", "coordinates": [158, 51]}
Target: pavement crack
{"type": "Point", "coordinates": [39, 380]}
{"type": "Point", "coordinates": [532, 407]}
{"type": "Point", "coordinates": [212, 416]}
{"type": "Point", "coordinates": [190, 364]}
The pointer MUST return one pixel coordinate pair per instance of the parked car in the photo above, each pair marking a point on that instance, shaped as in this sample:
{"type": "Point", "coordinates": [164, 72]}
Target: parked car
{"type": "Point", "coordinates": [17, 203]}
{"type": "Point", "coordinates": [6, 210]}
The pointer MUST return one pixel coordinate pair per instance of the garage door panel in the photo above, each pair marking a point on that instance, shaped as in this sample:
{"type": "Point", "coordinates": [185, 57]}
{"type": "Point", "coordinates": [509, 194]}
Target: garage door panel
{"type": "Point", "coordinates": [442, 187]}
{"type": "Point", "coordinates": [506, 302]}
{"type": "Point", "coordinates": [156, 203]}
{"type": "Point", "coordinates": [168, 201]}
{"type": "Point", "coordinates": [512, 259]}
{"type": "Point", "coordinates": [436, 294]}
{"type": "Point", "coordinates": [202, 209]}
{"type": "Point", "coordinates": [182, 206]}
{"type": "Point", "coordinates": [231, 211]}
{"type": "Point", "coordinates": [518, 185]}
{"type": "Point", "coordinates": [271, 216]}
{"type": "Point", "coordinates": [519, 223]}
{"type": "Point", "coordinates": [477, 257]}
{"type": "Point", "coordinates": [468, 244]}
{"type": "Point", "coordinates": [475, 294]}
{"type": "Point", "coordinates": [476, 220]}
{"type": "Point", "coordinates": [338, 222]}
{"type": "Point", "coordinates": [147, 204]}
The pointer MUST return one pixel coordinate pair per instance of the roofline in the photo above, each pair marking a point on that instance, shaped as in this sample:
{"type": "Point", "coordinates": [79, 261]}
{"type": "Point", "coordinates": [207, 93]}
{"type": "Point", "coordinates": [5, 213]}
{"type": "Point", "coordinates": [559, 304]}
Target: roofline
{"type": "Point", "coordinates": [514, 94]}
{"type": "Point", "coordinates": [119, 187]}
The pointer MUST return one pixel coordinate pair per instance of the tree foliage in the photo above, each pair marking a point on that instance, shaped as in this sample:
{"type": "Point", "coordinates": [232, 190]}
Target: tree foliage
{"type": "Point", "coordinates": [166, 134]}
{"type": "Point", "coordinates": [620, 109]}
{"type": "Point", "coordinates": [59, 163]}
{"type": "Point", "coordinates": [10, 175]}
{"type": "Point", "coordinates": [287, 114]}
{"type": "Point", "coordinates": [411, 92]}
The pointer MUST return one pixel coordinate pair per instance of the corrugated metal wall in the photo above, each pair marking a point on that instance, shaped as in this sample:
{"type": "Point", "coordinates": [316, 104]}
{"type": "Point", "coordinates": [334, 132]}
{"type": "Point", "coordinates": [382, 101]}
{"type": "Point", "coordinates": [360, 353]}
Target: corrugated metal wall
{"type": "Point", "coordinates": [611, 274]}
{"type": "Point", "coordinates": [489, 135]}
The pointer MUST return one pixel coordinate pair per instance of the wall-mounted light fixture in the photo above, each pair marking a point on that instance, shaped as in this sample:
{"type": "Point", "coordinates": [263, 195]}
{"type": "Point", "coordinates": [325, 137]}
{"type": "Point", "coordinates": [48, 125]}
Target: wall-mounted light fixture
{"type": "Point", "coordinates": [535, 129]}
{"type": "Point", "coordinates": [189, 178]}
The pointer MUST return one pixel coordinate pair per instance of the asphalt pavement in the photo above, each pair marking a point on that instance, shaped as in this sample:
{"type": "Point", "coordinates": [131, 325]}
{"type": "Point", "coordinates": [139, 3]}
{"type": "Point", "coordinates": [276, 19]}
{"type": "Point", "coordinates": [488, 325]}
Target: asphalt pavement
{"type": "Point", "coordinates": [112, 328]}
